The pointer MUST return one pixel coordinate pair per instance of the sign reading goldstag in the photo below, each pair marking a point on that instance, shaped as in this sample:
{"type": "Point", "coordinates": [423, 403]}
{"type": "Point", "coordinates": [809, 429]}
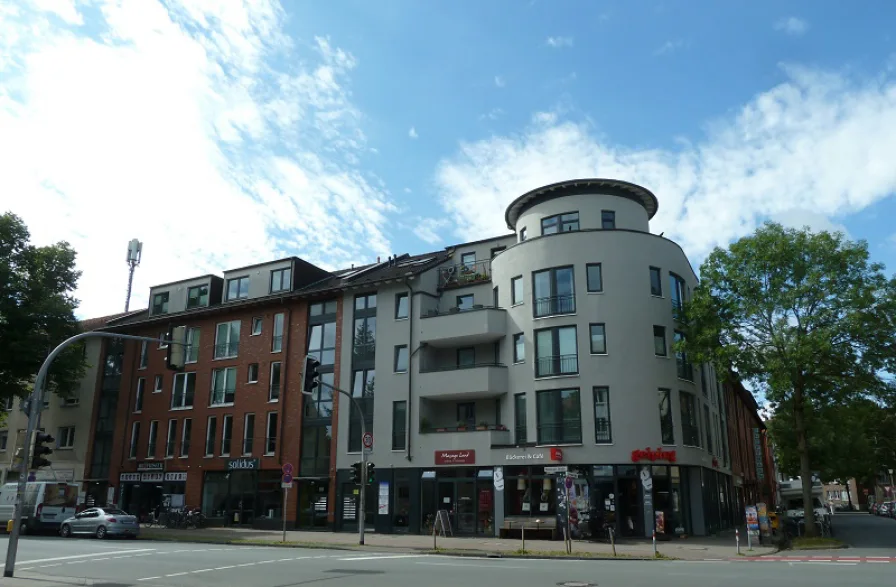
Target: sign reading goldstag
{"type": "Point", "coordinates": [650, 454]}
{"type": "Point", "coordinates": [455, 457]}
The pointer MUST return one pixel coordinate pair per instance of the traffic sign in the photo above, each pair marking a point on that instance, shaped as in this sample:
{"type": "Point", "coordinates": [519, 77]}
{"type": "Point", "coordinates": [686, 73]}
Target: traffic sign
{"type": "Point", "coordinates": [285, 485]}
{"type": "Point", "coordinates": [287, 468]}
{"type": "Point", "coordinates": [368, 440]}
{"type": "Point", "coordinates": [287, 478]}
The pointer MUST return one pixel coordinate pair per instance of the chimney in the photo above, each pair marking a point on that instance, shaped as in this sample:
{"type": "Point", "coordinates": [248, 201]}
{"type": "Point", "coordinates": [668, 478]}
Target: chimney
{"type": "Point", "coordinates": [377, 259]}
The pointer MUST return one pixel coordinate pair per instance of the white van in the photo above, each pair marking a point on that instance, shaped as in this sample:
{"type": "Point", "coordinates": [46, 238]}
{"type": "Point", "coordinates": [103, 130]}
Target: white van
{"type": "Point", "coordinates": [45, 506]}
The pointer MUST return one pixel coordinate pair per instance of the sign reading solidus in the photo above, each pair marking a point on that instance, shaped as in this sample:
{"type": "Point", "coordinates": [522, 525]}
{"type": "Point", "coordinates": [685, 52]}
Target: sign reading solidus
{"type": "Point", "coordinates": [243, 464]}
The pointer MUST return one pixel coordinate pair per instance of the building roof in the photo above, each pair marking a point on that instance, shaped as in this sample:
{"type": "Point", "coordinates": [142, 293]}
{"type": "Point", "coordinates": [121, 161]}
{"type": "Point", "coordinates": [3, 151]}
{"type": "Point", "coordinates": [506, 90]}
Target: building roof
{"type": "Point", "coordinates": [574, 187]}
{"type": "Point", "coordinates": [96, 323]}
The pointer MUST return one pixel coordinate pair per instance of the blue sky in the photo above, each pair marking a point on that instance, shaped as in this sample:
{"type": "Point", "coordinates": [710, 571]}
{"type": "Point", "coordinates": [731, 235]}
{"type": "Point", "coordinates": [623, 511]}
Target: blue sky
{"type": "Point", "coordinates": [224, 133]}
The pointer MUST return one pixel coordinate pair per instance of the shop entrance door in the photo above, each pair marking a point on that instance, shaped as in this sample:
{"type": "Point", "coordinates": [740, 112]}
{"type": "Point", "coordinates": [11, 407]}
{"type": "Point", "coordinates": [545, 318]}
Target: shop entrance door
{"type": "Point", "coordinates": [242, 497]}
{"type": "Point", "coordinates": [458, 496]}
{"type": "Point", "coordinates": [312, 508]}
{"type": "Point", "coordinates": [629, 508]}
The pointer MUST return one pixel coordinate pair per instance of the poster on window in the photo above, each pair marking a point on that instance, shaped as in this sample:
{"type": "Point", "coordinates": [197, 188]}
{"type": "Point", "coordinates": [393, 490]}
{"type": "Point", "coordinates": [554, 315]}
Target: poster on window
{"type": "Point", "coordinates": [660, 522]}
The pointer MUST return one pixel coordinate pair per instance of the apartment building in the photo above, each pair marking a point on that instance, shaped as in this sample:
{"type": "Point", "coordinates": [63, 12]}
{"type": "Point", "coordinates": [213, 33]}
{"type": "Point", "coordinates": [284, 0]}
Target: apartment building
{"type": "Point", "coordinates": [489, 376]}
{"type": "Point", "coordinates": [66, 419]}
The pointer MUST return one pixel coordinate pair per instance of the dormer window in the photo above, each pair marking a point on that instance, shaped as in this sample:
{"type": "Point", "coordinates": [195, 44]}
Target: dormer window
{"type": "Point", "coordinates": [560, 223]}
{"type": "Point", "coordinates": [281, 280]}
{"type": "Point", "coordinates": [608, 219]}
{"type": "Point", "coordinates": [197, 296]}
{"type": "Point", "coordinates": [160, 303]}
{"type": "Point", "coordinates": [238, 288]}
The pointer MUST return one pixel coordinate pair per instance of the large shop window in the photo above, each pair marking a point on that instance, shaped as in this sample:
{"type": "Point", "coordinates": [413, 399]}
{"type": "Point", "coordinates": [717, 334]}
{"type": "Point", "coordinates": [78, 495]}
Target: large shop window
{"type": "Point", "coordinates": [559, 417]}
{"type": "Point", "coordinates": [556, 351]}
{"type": "Point", "coordinates": [528, 493]}
{"type": "Point", "coordinates": [553, 292]}
{"type": "Point", "coordinates": [243, 497]}
{"type": "Point", "coordinates": [669, 500]}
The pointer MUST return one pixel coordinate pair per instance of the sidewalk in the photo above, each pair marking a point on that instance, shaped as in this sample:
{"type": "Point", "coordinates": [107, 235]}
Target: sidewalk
{"type": "Point", "coordinates": [699, 548]}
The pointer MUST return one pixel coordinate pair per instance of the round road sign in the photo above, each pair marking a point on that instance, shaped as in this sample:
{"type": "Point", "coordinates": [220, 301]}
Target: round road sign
{"type": "Point", "coordinates": [287, 469]}
{"type": "Point", "coordinates": [287, 478]}
{"type": "Point", "coordinates": [368, 440]}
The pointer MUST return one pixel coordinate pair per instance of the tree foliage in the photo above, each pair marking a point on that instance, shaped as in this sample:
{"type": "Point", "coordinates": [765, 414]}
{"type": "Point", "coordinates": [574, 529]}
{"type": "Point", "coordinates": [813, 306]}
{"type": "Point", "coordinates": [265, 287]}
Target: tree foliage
{"type": "Point", "coordinates": [36, 311]}
{"type": "Point", "coordinates": [804, 317]}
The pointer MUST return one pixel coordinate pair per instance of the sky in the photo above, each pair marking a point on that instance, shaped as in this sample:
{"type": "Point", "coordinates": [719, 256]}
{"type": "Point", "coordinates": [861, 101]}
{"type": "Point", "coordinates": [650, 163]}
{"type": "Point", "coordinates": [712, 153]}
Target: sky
{"type": "Point", "coordinates": [223, 133]}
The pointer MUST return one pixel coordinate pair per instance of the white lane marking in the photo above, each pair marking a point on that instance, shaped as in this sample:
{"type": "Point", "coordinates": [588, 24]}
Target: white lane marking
{"type": "Point", "coordinates": [149, 578]}
{"type": "Point", "coordinates": [246, 565]}
{"type": "Point", "coordinates": [372, 558]}
{"type": "Point", "coordinates": [102, 559]}
{"type": "Point", "coordinates": [201, 571]}
{"type": "Point", "coordinates": [265, 562]}
{"type": "Point", "coordinates": [883, 562]}
{"type": "Point", "coordinates": [707, 561]}
{"type": "Point", "coordinates": [77, 562]}
{"type": "Point", "coordinates": [75, 556]}
{"type": "Point", "coordinates": [495, 566]}
{"type": "Point", "coordinates": [178, 574]}
{"type": "Point", "coordinates": [826, 563]}
{"type": "Point", "coordinates": [227, 567]}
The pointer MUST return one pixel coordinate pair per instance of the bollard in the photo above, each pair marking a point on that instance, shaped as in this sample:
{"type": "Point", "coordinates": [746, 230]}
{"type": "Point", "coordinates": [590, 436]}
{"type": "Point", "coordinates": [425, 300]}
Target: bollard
{"type": "Point", "coordinates": [523, 534]}
{"type": "Point", "coordinates": [654, 543]}
{"type": "Point", "coordinates": [749, 540]}
{"type": "Point", "coordinates": [612, 540]}
{"type": "Point", "coordinates": [737, 539]}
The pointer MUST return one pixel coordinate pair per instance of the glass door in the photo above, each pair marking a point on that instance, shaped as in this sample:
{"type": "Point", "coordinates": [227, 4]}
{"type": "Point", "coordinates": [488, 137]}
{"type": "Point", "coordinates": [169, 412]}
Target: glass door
{"type": "Point", "coordinates": [447, 501]}
{"type": "Point", "coordinates": [466, 507]}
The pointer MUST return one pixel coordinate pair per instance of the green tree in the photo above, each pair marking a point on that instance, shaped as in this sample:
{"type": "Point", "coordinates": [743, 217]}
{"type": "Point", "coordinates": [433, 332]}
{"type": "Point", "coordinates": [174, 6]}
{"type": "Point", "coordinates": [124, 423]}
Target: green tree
{"type": "Point", "coordinates": [36, 311]}
{"type": "Point", "coordinates": [804, 317]}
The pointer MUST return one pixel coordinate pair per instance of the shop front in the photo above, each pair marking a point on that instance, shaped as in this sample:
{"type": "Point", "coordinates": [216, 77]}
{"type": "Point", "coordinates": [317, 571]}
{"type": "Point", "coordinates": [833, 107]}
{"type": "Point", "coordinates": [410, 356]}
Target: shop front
{"type": "Point", "coordinates": [243, 495]}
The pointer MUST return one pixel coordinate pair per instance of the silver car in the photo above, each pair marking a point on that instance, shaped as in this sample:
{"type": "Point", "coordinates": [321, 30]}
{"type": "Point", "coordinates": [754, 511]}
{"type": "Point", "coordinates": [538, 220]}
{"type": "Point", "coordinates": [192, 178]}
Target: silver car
{"type": "Point", "coordinates": [101, 522]}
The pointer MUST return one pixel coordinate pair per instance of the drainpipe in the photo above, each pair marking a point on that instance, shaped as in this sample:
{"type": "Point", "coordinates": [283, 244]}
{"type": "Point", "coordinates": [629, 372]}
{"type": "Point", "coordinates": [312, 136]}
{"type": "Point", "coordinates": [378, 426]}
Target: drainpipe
{"type": "Point", "coordinates": [407, 284]}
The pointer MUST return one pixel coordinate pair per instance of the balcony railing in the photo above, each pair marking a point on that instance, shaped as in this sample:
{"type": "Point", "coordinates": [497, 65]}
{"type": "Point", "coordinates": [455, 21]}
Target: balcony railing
{"type": "Point", "coordinates": [566, 432]}
{"type": "Point", "coordinates": [555, 305]}
{"type": "Point", "coordinates": [247, 446]}
{"type": "Point", "coordinates": [521, 434]}
{"type": "Point", "coordinates": [227, 350]}
{"type": "Point", "coordinates": [602, 431]}
{"type": "Point", "coordinates": [556, 365]}
{"type": "Point", "coordinates": [270, 445]}
{"type": "Point", "coordinates": [465, 274]}
{"type": "Point", "coordinates": [460, 367]}
{"type": "Point", "coordinates": [685, 368]}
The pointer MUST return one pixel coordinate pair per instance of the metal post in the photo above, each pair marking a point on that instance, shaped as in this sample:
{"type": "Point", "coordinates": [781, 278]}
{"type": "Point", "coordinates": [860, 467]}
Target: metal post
{"type": "Point", "coordinates": [285, 499]}
{"type": "Point", "coordinates": [749, 539]}
{"type": "Point", "coordinates": [654, 543]}
{"type": "Point", "coordinates": [127, 303]}
{"type": "Point", "coordinates": [523, 534]}
{"type": "Point", "coordinates": [612, 540]}
{"type": "Point", "coordinates": [737, 539]}
{"type": "Point", "coordinates": [33, 415]}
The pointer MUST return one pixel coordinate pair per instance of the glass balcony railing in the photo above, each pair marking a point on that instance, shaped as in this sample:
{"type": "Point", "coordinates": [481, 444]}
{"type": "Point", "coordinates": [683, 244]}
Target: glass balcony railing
{"type": "Point", "coordinates": [465, 274]}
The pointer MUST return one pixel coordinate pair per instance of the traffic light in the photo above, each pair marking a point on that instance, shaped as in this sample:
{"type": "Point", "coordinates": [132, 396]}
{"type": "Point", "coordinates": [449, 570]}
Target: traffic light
{"type": "Point", "coordinates": [371, 473]}
{"type": "Point", "coordinates": [356, 473]}
{"type": "Point", "coordinates": [37, 458]}
{"type": "Point", "coordinates": [311, 376]}
{"type": "Point", "coordinates": [176, 357]}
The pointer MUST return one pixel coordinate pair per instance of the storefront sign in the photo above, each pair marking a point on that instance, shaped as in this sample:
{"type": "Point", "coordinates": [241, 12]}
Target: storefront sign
{"type": "Point", "coordinates": [650, 454]}
{"type": "Point", "coordinates": [148, 466]}
{"type": "Point", "coordinates": [715, 463]}
{"type": "Point", "coordinates": [455, 457]}
{"type": "Point", "coordinates": [757, 450]}
{"type": "Point", "coordinates": [129, 477]}
{"type": "Point", "coordinates": [498, 477]}
{"type": "Point", "coordinates": [175, 476]}
{"type": "Point", "coordinates": [243, 464]}
{"type": "Point", "coordinates": [61, 475]}
{"type": "Point", "coordinates": [152, 477]}
{"type": "Point", "coordinates": [556, 454]}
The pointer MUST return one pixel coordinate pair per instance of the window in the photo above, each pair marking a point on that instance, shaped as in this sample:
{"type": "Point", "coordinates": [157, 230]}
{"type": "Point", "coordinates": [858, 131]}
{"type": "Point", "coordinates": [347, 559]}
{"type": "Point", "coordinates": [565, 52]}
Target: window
{"type": "Point", "coordinates": [223, 386]}
{"type": "Point", "coordinates": [274, 390]}
{"type": "Point", "coordinates": [556, 351]}
{"type": "Point", "coordinates": [192, 346]}
{"type": "Point", "coordinates": [519, 418]}
{"type": "Point", "coordinates": [364, 348]}
{"type": "Point", "coordinates": [322, 308]}
{"type": "Point", "coordinates": [399, 424]}
{"type": "Point", "coordinates": [595, 277]}
{"type": "Point", "coordinates": [144, 354]}
{"type": "Point", "coordinates": [365, 302]}
{"type": "Point", "coordinates": [401, 306]}
{"type": "Point", "coordinates": [607, 219]}
{"type": "Point", "coordinates": [685, 369]}
{"type": "Point", "coordinates": [659, 341]}
{"type": "Point", "coordinates": [496, 250]}
{"type": "Point", "coordinates": [318, 408]}
{"type": "Point", "coordinates": [667, 428]}
{"type": "Point", "coordinates": [598, 339]}
{"type": "Point", "coordinates": [253, 373]}
{"type": "Point", "coordinates": [277, 338]}
{"type": "Point", "coordinates": [401, 358]}
{"type": "Point", "coordinates": [163, 337]}
{"type": "Point", "coordinates": [656, 282]}
{"type": "Point", "coordinates": [157, 387]}
{"type": "Point", "coordinates": [519, 348]}
{"type": "Point", "coordinates": [183, 391]}
{"type": "Point", "coordinates": [160, 303]}
{"type": "Point", "coordinates": [677, 291]}
{"type": "Point", "coordinates": [281, 280]}
{"type": "Point", "coordinates": [7, 404]}
{"type": "Point", "coordinates": [468, 260]}
{"type": "Point", "coordinates": [185, 437]}
{"type": "Point", "coordinates": [465, 302]}
{"type": "Point", "coordinates": [363, 387]}
{"type": "Point", "coordinates": [65, 437]}
{"type": "Point", "coordinates": [560, 223]}
{"type": "Point", "coordinates": [153, 437]}
{"type": "Point", "coordinates": [496, 301]}
{"type": "Point", "coordinates": [322, 340]}
{"type": "Point", "coordinates": [690, 429]}
{"type": "Point", "coordinates": [238, 288]}
{"type": "Point", "coordinates": [270, 440]}
{"type": "Point", "coordinates": [135, 438]}
{"type": "Point", "coordinates": [466, 414]}
{"type": "Point", "coordinates": [256, 325]}
{"type": "Point", "coordinates": [603, 431]}
{"type": "Point", "coordinates": [138, 400]}
{"type": "Point", "coordinates": [226, 435]}
{"type": "Point", "coordinates": [554, 292]}
{"type": "Point", "coordinates": [211, 430]}
{"type": "Point", "coordinates": [466, 357]}
{"type": "Point", "coordinates": [171, 439]}
{"type": "Point", "coordinates": [227, 340]}
{"type": "Point", "coordinates": [197, 296]}
{"type": "Point", "coordinates": [703, 381]}
{"type": "Point", "coordinates": [559, 417]}
{"type": "Point", "coordinates": [516, 290]}
{"type": "Point", "coordinates": [248, 433]}
{"type": "Point", "coordinates": [4, 440]}
{"type": "Point", "coordinates": [523, 234]}
{"type": "Point", "coordinates": [707, 425]}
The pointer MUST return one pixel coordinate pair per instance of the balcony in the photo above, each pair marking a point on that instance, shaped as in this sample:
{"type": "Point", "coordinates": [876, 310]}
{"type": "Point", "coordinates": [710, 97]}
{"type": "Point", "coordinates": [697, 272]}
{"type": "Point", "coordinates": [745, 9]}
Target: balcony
{"type": "Point", "coordinates": [463, 328]}
{"type": "Point", "coordinates": [480, 380]}
{"type": "Point", "coordinates": [480, 438]}
{"type": "Point", "coordinates": [465, 274]}
{"type": "Point", "coordinates": [555, 306]}
{"type": "Point", "coordinates": [552, 365]}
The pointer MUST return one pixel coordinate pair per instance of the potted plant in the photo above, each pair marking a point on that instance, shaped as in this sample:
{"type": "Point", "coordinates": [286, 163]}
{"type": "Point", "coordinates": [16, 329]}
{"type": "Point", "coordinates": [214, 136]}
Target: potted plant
{"type": "Point", "coordinates": [482, 426]}
{"type": "Point", "coordinates": [461, 427]}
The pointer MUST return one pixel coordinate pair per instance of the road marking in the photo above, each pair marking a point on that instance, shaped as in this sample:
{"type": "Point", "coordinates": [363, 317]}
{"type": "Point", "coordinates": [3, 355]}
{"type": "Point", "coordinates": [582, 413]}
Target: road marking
{"type": "Point", "coordinates": [178, 574]}
{"type": "Point", "coordinates": [372, 558]}
{"type": "Point", "coordinates": [246, 565]}
{"type": "Point", "coordinates": [75, 556]}
{"type": "Point", "coordinates": [77, 562]}
{"type": "Point", "coordinates": [494, 566]}
{"type": "Point", "coordinates": [227, 567]}
{"type": "Point", "coordinates": [883, 562]}
{"type": "Point", "coordinates": [265, 562]}
{"type": "Point", "coordinates": [102, 559]}
{"type": "Point", "coordinates": [201, 571]}
{"type": "Point", "coordinates": [149, 578]}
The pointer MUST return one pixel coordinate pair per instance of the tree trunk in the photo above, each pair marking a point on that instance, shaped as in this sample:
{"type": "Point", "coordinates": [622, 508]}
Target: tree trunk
{"type": "Point", "coordinates": [805, 467]}
{"type": "Point", "coordinates": [848, 495]}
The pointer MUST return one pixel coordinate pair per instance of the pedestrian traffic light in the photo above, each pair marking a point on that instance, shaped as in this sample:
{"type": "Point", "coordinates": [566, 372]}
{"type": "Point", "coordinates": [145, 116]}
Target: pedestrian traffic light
{"type": "Point", "coordinates": [177, 348]}
{"type": "Point", "coordinates": [311, 376]}
{"type": "Point", "coordinates": [356, 473]}
{"type": "Point", "coordinates": [37, 458]}
{"type": "Point", "coordinates": [371, 473]}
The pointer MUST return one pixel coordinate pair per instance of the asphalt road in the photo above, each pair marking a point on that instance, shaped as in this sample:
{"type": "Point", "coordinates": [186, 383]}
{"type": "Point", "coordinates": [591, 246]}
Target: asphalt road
{"type": "Point", "coordinates": [45, 561]}
{"type": "Point", "coordinates": [865, 534]}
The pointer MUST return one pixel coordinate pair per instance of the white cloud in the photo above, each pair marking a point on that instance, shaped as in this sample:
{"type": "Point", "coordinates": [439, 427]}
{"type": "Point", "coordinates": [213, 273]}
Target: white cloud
{"type": "Point", "coordinates": [407, 190]}
{"type": "Point", "coordinates": [792, 26]}
{"type": "Point", "coordinates": [413, 133]}
{"type": "Point", "coordinates": [493, 114]}
{"type": "Point", "coordinates": [500, 82]}
{"type": "Point", "coordinates": [427, 229]}
{"type": "Point", "coordinates": [544, 118]}
{"type": "Point", "coordinates": [669, 46]}
{"type": "Point", "coordinates": [801, 217]}
{"type": "Point", "coordinates": [816, 142]}
{"type": "Point", "coordinates": [64, 9]}
{"type": "Point", "coordinates": [557, 42]}
{"type": "Point", "coordinates": [196, 127]}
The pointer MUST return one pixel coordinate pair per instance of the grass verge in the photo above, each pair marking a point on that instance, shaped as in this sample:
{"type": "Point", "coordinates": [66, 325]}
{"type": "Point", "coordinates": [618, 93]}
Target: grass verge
{"type": "Point", "coordinates": [816, 543]}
